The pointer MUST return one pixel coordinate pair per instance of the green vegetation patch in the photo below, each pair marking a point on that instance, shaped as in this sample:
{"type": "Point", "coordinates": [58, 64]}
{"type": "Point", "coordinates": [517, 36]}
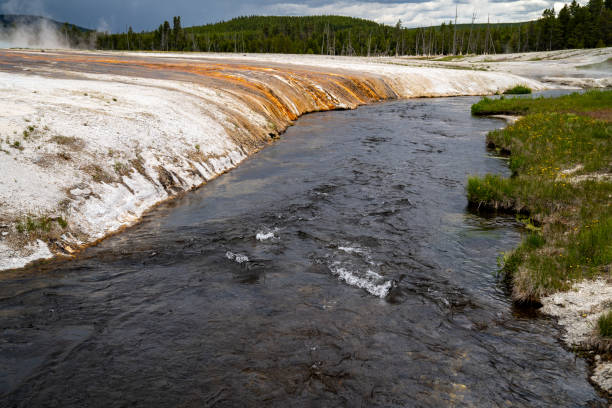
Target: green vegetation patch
{"type": "Point", "coordinates": [122, 169]}
{"type": "Point", "coordinates": [555, 157]}
{"type": "Point", "coordinates": [450, 58]}
{"type": "Point", "coordinates": [575, 103]}
{"type": "Point", "coordinates": [518, 90]}
{"type": "Point", "coordinates": [28, 131]}
{"type": "Point", "coordinates": [39, 225]}
{"type": "Point", "coordinates": [604, 324]}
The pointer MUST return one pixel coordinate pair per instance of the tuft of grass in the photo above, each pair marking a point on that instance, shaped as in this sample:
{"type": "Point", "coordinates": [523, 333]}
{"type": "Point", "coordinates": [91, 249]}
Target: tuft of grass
{"type": "Point", "coordinates": [62, 222]}
{"type": "Point", "coordinates": [28, 131]}
{"type": "Point", "coordinates": [98, 174]}
{"type": "Point", "coordinates": [34, 224]}
{"type": "Point", "coordinates": [604, 324]}
{"type": "Point", "coordinates": [64, 140]}
{"type": "Point", "coordinates": [45, 228]}
{"type": "Point", "coordinates": [518, 90]}
{"type": "Point", "coordinates": [122, 169]}
{"type": "Point", "coordinates": [573, 236]}
{"type": "Point", "coordinates": [492, 191]}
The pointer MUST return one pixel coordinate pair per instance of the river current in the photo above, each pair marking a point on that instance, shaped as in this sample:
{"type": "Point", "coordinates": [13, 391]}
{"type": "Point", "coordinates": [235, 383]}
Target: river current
{"type": "Point", "coordinates": [339, 266]}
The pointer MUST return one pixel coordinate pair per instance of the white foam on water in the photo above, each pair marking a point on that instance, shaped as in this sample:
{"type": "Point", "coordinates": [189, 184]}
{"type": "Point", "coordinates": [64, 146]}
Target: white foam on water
{"type": "Point", "coordinates": [354, 249]}
{"type": "Point", "coordinates": [265, 235]}
{"type": "Point", "coordinates": [369, 283]}
{"type": "Point", "coordinates": [351, 250]}
{"type": "Point", "coordinates": [239, 258]}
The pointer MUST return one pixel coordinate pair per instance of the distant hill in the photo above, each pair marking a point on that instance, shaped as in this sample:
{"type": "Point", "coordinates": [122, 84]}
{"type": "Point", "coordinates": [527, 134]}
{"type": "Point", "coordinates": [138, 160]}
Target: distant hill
{"type": "Point", "coordinates": [8, 21]}
{"type": "Point", "coordinates": [325, 34]}
{"type": "Point", "coordinates": [248, 23]}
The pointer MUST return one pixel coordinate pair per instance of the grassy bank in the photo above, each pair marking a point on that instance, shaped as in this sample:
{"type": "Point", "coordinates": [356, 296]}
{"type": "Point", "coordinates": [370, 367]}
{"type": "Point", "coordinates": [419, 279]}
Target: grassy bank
{"type": "Point", "coordinates": [560, 155]}
{"type": "Point", "coordinates": [594, 103]}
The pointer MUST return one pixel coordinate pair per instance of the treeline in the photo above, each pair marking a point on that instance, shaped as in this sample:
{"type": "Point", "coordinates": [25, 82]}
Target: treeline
{"type": "Point", "coordinates": [574, 26]}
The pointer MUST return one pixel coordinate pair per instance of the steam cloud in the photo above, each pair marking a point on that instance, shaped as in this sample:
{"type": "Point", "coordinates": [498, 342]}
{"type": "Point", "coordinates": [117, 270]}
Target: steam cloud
{"type": "Point", "coordinates": [30, 32]}
{"type": "Point", "coordinates": [39, 34]}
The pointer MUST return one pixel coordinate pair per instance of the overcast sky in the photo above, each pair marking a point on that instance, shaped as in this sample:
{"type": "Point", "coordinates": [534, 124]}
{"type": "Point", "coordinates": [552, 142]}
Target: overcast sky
{"type": "Point", "coordinates": [114, 15]}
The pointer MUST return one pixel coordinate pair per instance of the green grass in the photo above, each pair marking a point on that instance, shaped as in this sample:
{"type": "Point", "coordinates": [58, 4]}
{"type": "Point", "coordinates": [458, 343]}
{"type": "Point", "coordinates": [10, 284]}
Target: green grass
{"type": "Point", "coordinates": [518, 90]}
{"type": "Point", "coordinates": [42, 227]}
{"type": "Point", "coordinates": [573, 239]}
{"type": "Point", "coordinates": [604, 324]}
{"type": "Point", "coordinates": [28, 131]}
{"type": "Point", "coordinates": [122, 169]}
{"type": "Point", "coordinates": [450, 58]}
{"type": "Point", "coordinates": [588, 101]}
{"type": "Point", "coordinates": [62, 222]}
{"type": "Point", "coordinates": [34, 224]}
{"type": "Point", "coordinates": [39, 224]}
{"type": "Point", "coordinates": [492, 191]}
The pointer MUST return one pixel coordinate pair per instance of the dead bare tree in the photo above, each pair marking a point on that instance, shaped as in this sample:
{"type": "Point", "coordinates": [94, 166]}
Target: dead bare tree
{"type": "Point", "coordinates": [455, 33]}
{"type": "Point", "coordinates": [326, 36]}
{"type": "Point", "coordinates": [194, 46]}
{"type": "Point", "coordinates": [469, 48]}
{"type": "Point", "coordinates": [489, 38]}
{"type": "Point", "coordinates": [349, 47]}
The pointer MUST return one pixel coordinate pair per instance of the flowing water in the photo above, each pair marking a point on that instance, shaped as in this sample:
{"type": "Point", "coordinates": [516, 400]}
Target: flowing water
{"type": "Point", "coordinates": [338, 266]}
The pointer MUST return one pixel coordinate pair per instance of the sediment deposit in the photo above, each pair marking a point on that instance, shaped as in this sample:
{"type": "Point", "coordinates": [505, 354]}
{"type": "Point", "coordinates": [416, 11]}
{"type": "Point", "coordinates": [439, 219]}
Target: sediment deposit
{"type": "Point", "coordinates": [577, 311]}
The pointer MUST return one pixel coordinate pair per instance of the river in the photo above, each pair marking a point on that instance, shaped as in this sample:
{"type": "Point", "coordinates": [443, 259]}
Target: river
{"type": "Point", "coordinates": [337, 267]}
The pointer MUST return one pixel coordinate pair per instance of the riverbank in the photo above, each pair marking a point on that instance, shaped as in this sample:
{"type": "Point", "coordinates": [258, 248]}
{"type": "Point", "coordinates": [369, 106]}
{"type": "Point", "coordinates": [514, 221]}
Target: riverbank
{"type": "Point", "coordinates": [559, 154]}
{"type": "Point", "coordinates": [92, 140]}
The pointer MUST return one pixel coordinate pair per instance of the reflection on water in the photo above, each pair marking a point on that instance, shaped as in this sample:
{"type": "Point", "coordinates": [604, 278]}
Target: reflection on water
{"type": "Point", "coordinates": [337, 267]}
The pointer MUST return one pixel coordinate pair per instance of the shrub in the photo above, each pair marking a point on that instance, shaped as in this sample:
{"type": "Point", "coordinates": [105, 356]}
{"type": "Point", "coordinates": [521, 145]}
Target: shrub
{"type": "Point", "coordinates": [518, 90]}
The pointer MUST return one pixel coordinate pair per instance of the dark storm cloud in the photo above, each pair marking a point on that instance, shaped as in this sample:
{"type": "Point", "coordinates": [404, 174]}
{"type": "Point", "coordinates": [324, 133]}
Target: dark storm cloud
{"type": "Point", "coordinates": [115, 15]}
